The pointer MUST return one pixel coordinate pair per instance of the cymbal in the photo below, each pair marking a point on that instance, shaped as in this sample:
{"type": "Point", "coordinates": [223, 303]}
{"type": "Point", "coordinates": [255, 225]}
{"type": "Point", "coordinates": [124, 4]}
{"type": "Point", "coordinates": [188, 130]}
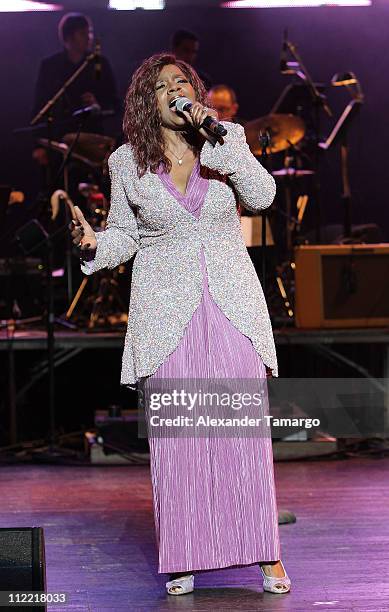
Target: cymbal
{"type": "Point", "coordinates": [94, 148]}
{"type": "Point", "coordinates": [63, 148]}
{"type": "Point", "coordinates": [60, 147]}
{"type": "Point", "coordinates": [292, 172]}
{"type": "Point", "coordinates": [284, 130]}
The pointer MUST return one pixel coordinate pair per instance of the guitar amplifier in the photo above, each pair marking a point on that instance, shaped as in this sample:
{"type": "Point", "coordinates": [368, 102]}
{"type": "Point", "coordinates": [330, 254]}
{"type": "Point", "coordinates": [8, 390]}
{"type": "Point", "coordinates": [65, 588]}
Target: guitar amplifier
{"type": "Point", "coordinates": [342, 286]}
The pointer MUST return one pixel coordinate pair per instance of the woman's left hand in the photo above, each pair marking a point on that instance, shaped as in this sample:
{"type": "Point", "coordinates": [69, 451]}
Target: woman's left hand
{"type": "Point", "coordinates": [196, 116]}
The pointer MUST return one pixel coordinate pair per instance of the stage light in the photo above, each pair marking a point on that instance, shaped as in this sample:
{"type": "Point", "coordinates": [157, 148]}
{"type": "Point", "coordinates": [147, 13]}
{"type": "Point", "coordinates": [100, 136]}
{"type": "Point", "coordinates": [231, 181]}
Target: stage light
{"type": "Point", "coordinates": [20, 6]}
{"type": "Point", "coordinates": [131, 5]}
{"type": "Point", "coordinates": [292, 3]}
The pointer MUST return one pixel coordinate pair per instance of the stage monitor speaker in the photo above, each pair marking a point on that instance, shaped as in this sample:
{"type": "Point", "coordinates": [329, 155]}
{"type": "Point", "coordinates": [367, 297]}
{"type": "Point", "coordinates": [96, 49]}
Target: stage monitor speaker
{"type": "Point", "coordinates": [22, 561]}
{"type": "Point", "coordinates": [342, 286]}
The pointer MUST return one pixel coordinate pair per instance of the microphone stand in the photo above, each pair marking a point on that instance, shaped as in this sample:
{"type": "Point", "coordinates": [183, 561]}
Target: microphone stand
{"type": "Point", "coordinates": [318, 98]}
{"type": "Point", "coordinates": [69, 245]}
{"type": "Point", "coordinates": [50, 103]}
{"type": "Point", "coordinates": [32, 237]}
{"type": "Point", "coordinates": [264, 142]}
{"type": "Point", "coordinates": [46, 110]}
{"type": "Point", "coordinates": [320, 102]}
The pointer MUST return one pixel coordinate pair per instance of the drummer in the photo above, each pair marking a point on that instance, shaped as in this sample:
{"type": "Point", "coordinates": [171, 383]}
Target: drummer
{"type": "Point", "coordinates": [223, 99]}
{"type": "Point", "coordinates": [95, 85]}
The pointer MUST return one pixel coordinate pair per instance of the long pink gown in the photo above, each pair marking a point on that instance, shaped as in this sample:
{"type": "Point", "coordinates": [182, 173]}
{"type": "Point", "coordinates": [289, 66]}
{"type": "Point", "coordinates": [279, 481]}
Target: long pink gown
{"type": "Point", "coordinates": [214, 498]}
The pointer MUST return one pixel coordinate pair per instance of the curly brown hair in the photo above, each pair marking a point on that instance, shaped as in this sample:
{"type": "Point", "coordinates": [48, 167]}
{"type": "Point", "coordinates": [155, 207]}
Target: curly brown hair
{"type": "Point", "coordinates": [142, 120]}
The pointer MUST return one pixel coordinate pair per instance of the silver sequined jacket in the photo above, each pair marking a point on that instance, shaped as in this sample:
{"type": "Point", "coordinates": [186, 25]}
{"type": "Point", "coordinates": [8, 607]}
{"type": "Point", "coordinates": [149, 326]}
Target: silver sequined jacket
{"type": "Point", "coordinates": [146, 220]}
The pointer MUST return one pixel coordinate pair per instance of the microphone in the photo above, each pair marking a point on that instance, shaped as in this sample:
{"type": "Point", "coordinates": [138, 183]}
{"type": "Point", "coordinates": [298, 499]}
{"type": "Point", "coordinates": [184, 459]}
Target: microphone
{"type": "Point", "coordinates": [284, 53]}
{"type": "Point", "coordinates": [93, 109]}
{"type": "Point", "coordinates": [209, 123]}
{"type": "Point", "coordinates": [97, 59]}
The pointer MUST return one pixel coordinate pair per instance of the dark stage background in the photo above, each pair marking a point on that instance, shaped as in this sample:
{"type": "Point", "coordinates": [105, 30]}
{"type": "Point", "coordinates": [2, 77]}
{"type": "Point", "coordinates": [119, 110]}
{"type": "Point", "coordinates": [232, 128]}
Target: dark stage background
{"type": "Point", "coordinates": [241, 48]}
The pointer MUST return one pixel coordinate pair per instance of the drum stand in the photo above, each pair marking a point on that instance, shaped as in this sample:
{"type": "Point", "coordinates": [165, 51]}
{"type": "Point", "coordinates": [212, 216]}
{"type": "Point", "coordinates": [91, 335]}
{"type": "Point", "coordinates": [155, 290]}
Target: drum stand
{"type": "Point", "coordinates": [105, 305]}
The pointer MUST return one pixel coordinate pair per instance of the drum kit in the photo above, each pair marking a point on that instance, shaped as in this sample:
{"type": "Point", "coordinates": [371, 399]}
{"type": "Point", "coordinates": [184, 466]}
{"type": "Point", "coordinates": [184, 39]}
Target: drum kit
{"type": "Point", "coordinates": [288, 134]}
{"type": "Point", "coordinates": [92, 152]}
{"type": "Point", "coordinates": [285, 132]}
{"type": "Point", "coordinates": [104, 305]}
{"type": "Point", "coordinates": [89, 149]}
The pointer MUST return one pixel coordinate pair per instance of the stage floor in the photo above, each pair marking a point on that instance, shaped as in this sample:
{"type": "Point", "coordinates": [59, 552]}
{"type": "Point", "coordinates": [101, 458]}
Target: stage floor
{"type": "Point", "coordinates": [100, 545]}
{"type": "Point", "coordinates": [37, 339]}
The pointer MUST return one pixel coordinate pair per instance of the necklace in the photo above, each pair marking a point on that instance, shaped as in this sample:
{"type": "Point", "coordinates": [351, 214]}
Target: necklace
{"type": "Point", "coordinates": [179, 159]}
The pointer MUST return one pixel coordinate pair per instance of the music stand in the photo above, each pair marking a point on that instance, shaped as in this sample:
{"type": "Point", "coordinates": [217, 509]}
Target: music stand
{"type": "Point", "coordinates": [339, 134]}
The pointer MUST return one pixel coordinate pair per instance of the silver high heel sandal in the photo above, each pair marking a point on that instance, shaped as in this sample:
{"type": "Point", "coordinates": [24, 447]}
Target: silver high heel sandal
{"type": "Point", "coordinates": [276, 585]}
{"type": "Point", "coordinates": [182, 585]}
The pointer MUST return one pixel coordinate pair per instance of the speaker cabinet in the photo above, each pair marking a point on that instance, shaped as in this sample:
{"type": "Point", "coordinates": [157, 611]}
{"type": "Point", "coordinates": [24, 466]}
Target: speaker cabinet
{"type": "Point", "coordinates": [22, 561]}
{"type": "Point", "coordinates": [342, 286]}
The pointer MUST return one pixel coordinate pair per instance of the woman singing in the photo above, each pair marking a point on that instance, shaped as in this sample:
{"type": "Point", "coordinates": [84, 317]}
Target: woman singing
{"type": "Point", "coordinates": [197, 311]}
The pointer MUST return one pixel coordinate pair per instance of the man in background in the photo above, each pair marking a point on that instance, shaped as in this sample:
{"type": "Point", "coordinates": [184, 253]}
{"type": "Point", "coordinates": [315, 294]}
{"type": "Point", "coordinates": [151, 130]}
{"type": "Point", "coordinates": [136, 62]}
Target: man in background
{"type": "Point", "coordinates": [185, 46]}
{"type": "Point", "coordinates": [96, 85]}
{"type": "Point", "coordinates": [223, 99]}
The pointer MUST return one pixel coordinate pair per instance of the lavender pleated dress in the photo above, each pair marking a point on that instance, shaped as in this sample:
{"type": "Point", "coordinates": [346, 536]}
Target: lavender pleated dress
{"type": "Point", "coordinates": [214, 498]}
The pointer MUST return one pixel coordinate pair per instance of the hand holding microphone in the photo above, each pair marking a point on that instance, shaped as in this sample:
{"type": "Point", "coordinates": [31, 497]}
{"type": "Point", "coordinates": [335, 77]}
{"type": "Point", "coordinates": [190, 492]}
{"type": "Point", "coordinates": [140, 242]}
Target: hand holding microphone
{"type": "Point", "coordinates": [200, 117]}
